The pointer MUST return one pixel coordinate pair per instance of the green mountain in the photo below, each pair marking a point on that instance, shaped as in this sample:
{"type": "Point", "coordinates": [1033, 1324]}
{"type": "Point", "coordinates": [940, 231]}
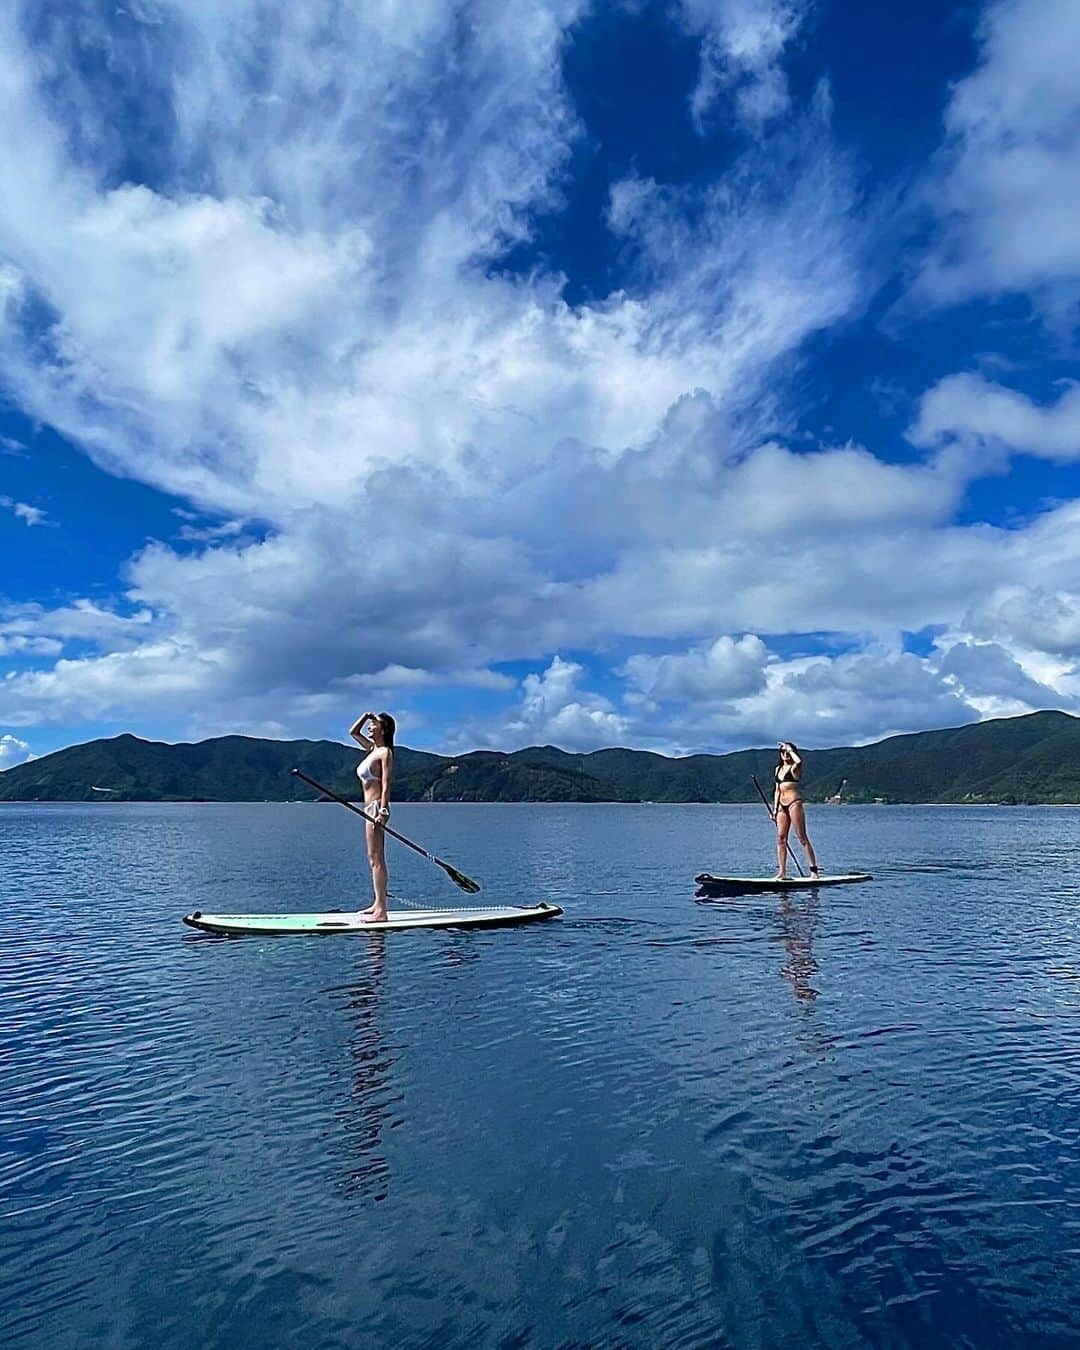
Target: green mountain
{"type": "Point", "coordinates": [1012, 760]}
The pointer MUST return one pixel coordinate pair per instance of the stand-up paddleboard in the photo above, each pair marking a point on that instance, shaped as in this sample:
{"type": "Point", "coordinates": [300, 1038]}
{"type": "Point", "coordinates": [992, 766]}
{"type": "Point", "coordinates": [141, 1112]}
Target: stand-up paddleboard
{"type": "Point", "coordinates": [749, 885]}
{"type": "Point", "coordinates": [338, 921]}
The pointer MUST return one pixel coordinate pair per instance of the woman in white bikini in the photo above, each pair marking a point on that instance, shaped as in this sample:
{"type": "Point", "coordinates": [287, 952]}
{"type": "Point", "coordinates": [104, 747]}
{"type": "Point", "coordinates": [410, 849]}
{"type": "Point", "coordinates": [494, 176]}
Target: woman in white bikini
{"type": "Point", "coordinates": [376, 772]}
{"type": "Point", "coordinates": [788, 809]}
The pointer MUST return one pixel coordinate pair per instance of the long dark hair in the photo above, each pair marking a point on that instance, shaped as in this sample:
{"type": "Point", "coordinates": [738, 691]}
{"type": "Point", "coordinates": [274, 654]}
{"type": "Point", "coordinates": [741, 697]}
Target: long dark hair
{"type": "Point", "coordinates": [389, 726]}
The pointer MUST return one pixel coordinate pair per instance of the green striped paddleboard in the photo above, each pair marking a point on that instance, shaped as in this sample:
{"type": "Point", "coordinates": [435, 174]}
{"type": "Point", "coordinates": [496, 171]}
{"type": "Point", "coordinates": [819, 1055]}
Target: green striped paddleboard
{"type": "Point", "coordinates": [341, 921]}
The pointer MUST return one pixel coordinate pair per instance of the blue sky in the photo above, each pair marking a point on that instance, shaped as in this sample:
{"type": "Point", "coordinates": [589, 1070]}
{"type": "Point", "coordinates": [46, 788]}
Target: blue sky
{"type": "Point", "coordinates": [682, 374]}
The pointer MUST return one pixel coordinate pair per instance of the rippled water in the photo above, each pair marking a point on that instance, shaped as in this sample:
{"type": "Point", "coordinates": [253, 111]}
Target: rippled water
{"type": "Point", "coordinates": [838, 1119]}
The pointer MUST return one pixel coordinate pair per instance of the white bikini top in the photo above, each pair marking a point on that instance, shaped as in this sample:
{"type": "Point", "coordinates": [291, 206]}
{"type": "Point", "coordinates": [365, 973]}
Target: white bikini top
{"type": "Point", "coordinates": [368, 772]}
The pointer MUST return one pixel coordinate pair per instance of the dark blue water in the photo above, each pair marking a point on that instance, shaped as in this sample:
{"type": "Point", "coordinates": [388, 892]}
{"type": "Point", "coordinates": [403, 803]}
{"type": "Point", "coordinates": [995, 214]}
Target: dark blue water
{"type": "Point", "coordinates": [847, 1118]}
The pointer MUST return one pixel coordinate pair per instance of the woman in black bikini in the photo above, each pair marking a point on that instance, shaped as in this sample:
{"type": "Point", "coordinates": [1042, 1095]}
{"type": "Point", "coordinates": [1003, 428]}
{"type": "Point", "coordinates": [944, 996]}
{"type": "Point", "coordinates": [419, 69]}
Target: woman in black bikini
{"type": "Point", "coordinates": [788, 809]}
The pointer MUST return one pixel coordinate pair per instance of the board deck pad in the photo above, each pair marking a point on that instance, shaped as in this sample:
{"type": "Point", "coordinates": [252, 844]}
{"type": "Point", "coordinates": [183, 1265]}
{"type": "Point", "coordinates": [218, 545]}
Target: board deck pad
{"type": "Point", "coordinates": [749, 885]}
{"type": "Point", "coordinates": [340, 921]}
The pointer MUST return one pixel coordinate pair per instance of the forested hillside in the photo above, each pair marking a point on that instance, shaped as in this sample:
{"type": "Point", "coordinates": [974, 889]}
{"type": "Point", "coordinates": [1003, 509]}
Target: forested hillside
{"type": "Point", "coordinates": [1018, 759]}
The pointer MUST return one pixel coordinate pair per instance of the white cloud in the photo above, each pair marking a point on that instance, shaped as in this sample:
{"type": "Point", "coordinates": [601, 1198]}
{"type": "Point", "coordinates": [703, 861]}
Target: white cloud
{"type": "Point", "coordinates": [397, 678]}
{"type": "Point", "coordinates": [555, 709]}
{"type": "Point", "coordinates": [33, 515]}
{"type": "Point", "coordinates": [10, 446]}
{"type": "Point", "coordinates": [343, 245]}
{"type": "Point", "coordinates": [300, 622]}
{"type": "Point", "coordinates": [1009, 190]}
{"type": "Point", "coordinates": [13, 751]}
{"type": "Point", "coordinates": [416, 465]}
{"type": "Point", "coordinates": [80, 621]}
{"type": "Point", "coordinates": [823, 700]}
{"type": "Point", "coordinates": [152, 679]}
{"type": "Point", "coordinates": [863, 695]}
{"type": "Point", "coordinates": [733, 693]}
{"type": "Point", "coordinates": [361, 328]}
{"type": "Point", "coordinates": [742, 271]}
{"type": "Point", "coordinates": [300, 320]}
{"type": "Point", "coordinates": [727, 668]}
{"type": "Point", "coordinates": [987, 672]}
{"type": "Point", "coordinates": [681, 703]}
{"type": "Point", "coordinates": [1030, 617]}
{"type": "Point", "coordinates": [841, 699]}
{"type": "Point", "coordinates": [17, 644]}
{"type": "Point", "coordinates": [742, 45]}
{"type": "Point", "coordinates": [969, 408]}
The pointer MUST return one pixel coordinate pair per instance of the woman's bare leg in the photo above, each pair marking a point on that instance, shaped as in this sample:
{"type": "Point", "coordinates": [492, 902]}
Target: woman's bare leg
{"type": "Point", "coordinates": [783, 825]}
{"type": "Point", "coordinates": [376, 843]}
{"type": "Point", "coordinates": [798, 815]}
{"type": "Point", "coordinates": [369, 830]}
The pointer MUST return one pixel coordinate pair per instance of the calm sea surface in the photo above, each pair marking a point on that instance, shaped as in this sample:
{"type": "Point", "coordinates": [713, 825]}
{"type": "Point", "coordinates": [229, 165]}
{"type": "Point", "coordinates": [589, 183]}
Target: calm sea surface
{"type": "Point", "coordinates": [849, 1118]}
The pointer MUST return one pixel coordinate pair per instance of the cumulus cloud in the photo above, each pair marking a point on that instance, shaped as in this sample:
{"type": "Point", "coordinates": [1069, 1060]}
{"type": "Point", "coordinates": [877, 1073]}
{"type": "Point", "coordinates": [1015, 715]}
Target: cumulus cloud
{"type": "Point", "coordinates": [1031, 617]}
{"type": "Point", "coordinates": [553, 708]}
{"type": "Point", "coordinates": [972, 409]}
{"type": "Point", "coordinates": [726, 669]}
{"type": "Point", "coordinates": [833, 699]}
{"type": "Point", "coordinates": [825, 700]}
{"type": "Point", "coordinates": [994, 679]}
{"type": "Point", "coordinates": [1009, 189]}
{"type": "Point", "coordinates": [13, 751]}
{"type": "Point", "coordinates": [817, 701]}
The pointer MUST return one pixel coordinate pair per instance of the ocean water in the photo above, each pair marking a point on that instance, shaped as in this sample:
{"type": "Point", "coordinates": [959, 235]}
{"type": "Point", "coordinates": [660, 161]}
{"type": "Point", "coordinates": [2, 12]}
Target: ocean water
{"type": "Point", "coordinates": [836, 1118]}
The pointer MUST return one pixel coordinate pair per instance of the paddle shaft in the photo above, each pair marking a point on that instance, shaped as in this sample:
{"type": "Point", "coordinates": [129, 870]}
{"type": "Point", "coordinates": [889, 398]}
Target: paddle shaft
{"type": "Point", "coordinates": [452, 872]}
{"type": "Point", "coordinates": [328, 792]}
{"type": "Point", "coordinates": [772, 816]}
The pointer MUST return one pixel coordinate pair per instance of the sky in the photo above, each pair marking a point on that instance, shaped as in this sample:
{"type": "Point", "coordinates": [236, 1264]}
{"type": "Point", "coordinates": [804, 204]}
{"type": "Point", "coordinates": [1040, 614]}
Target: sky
{"type": "Point", "coordinates": [679, 374]}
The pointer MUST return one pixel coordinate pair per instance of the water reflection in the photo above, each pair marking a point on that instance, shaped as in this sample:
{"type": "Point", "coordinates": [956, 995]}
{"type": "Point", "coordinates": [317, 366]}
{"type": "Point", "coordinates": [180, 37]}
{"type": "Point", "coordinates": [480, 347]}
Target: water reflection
{"type": "Point", "coordinates": [798, 915]}
{"type": "Point", "coordinates": [366, 1113]}
{"type": "Point", "coordinates": [798, 922]}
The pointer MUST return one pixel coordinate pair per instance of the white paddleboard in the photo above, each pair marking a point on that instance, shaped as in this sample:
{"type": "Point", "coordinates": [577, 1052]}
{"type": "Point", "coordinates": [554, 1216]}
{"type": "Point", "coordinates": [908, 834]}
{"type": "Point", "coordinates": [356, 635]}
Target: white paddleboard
{"type": "Point", "coordinates": [339, 921]}
{"type": "Point", "coordinates": [749, 885]}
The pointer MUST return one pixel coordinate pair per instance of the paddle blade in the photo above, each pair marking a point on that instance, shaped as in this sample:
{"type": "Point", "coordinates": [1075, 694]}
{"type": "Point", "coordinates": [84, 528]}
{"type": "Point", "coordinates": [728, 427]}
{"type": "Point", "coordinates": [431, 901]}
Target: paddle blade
{"type": "Point", "coordinates": [459, 878]}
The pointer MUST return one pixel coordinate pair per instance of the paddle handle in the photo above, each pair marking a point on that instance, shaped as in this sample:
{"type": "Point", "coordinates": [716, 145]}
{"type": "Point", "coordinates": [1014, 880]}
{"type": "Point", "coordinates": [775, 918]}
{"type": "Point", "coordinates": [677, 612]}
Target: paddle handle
{"type": "Point", "coordinates": [379, 824]}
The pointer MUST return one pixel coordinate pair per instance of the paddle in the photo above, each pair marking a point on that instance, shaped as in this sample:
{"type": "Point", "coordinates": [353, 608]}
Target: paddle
{"type": "Point", "coordinates": [772, 816]}
{"type": "Point", "coordinates": [458, 878]}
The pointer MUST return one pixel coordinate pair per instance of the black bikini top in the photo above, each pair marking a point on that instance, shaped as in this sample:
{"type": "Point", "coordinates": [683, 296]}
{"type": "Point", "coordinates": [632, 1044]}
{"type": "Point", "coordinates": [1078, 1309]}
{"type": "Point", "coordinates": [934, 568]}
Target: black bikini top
{"type": "Point", "coordinates": [788, 777]}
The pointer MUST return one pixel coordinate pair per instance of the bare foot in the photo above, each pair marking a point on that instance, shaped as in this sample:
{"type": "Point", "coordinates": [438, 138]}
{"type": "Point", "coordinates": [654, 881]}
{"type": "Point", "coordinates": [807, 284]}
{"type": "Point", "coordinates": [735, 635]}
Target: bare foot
{"type": "Point", "coordinates": [373, 916]}
{"type": "Point", "coordinates": [780, 876]}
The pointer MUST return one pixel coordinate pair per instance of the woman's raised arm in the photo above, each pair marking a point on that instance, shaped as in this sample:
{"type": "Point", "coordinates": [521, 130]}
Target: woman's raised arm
{"type": "Point", "coordinates": [357, 735]}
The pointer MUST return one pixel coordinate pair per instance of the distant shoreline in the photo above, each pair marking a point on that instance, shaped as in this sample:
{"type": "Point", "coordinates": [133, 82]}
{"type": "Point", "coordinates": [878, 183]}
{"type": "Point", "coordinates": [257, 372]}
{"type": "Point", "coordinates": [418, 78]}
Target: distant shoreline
{"type": "Point", "coordinates": [1030, 760]}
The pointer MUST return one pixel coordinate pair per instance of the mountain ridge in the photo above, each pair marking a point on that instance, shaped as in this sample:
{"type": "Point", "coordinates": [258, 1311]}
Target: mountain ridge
{"type": "Point", "coordinates": [1032, 759]}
